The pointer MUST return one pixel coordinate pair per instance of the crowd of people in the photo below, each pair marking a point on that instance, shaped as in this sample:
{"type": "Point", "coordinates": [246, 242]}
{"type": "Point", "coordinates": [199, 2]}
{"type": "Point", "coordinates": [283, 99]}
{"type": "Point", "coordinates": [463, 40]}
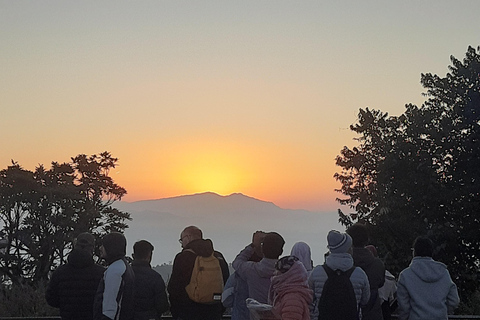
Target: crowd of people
{"type": "Point", "coordinates": [351, 284]}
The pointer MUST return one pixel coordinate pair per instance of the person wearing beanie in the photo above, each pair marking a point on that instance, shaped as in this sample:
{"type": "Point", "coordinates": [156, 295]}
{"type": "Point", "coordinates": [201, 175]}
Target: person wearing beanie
{"type": "Point", "coordinates": [114, 298]}
{"type": "Point", "coordinates": [72, 286]}
{"type": "Point", "coordinates": [373, 267]}
{"type": "Point", "coordinates": [339, 258]}
{"type": "Point", "coordinates": [150, 295]}
{"type": "Point", "coordinates": [289, 293]}
{"type": "Point", "coordinates": [425, 288]}
{"type": "Point", "coordinates": [258, 274]}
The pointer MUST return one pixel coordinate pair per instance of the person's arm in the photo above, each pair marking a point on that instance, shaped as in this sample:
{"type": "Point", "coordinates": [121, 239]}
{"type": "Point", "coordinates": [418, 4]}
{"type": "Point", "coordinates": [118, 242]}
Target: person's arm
{"type": "Point", "coordinates": [241, 262]}
{"type": "Point", "coordinates": [51, 295]}
{"type": "Point", "coordinates": [160, 298]}
{"type": "Point", "coordinates": [113, 281]}
{"type": "Point", "coordinates": [452, 298]}
{"type": "Point", "coordinates": [403, 299]}
{"type": "Point", "coordinates": [366, 289]}
{"type": "Point", "coordinates": [181, 274]}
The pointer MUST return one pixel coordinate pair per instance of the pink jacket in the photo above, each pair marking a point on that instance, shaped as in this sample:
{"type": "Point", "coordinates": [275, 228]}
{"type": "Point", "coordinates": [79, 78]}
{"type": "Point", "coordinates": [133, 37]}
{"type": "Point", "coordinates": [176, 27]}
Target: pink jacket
{"type": "Point", "coordinates": [290, 295]}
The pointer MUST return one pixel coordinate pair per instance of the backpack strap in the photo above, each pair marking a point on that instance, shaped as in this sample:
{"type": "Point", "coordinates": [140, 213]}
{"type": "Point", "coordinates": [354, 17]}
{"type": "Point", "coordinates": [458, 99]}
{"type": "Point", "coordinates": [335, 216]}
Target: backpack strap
{"type": "Point", "coordinates": [330, 272]}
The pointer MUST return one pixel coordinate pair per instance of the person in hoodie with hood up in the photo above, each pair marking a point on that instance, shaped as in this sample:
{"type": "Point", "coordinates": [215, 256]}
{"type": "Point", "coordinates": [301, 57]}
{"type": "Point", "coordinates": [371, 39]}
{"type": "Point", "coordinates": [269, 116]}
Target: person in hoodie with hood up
{"type": "Point", "coordinates": [373, 267]}
{"type": "Point", "coordinates": [114, 299]}
{"type": "Point", "coordinates": [181, 306]}
{"type": "Point", "coordinates": [289, 292]}
{"type": "Point", "coordinates": [73, 285]}
{"type": "Point", "coordinates": [302, 251]}
{"type": "Point", "coordinates": [425, 289]}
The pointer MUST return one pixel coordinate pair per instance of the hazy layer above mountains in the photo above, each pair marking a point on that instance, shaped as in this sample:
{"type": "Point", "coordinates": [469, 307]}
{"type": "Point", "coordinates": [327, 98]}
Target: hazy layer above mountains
{"type": "Point", "coordinates": [228, 220]}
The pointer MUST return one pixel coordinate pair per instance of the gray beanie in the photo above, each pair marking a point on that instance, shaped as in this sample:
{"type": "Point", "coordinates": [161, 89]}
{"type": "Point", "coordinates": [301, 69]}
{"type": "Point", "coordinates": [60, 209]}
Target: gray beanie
{"type": "Point", "coordinates": [338, 242]}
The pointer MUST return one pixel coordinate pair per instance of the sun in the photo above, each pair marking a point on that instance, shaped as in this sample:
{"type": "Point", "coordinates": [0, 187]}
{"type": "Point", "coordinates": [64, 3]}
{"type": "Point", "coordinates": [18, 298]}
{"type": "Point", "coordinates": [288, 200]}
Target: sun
{"type": "Point", "coordinates": [213, 171]}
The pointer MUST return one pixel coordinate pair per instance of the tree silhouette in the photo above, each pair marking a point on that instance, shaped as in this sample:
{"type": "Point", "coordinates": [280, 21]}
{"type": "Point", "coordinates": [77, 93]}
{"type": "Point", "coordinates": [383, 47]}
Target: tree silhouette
{"type": "Point", "coordinates": [44, 210]}
{"type": "Point", "coordinates": [419, 173]}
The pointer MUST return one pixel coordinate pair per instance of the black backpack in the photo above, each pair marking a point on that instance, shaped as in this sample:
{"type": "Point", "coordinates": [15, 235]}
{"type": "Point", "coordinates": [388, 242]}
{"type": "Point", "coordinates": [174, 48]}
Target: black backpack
{"type": "Point", "coordinates": [338, 301]}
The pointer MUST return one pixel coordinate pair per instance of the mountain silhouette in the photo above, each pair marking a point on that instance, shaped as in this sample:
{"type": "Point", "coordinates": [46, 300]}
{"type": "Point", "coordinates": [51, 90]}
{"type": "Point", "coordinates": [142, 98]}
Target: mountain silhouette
{"type": "Point", "coordinates": [228, 220]}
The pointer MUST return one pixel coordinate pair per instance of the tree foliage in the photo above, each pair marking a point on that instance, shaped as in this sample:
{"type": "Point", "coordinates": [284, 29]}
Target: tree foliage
{"type": "Point", "coordinates": [41, 212]}
{"type": "Point", "coordinates": [419, 173]}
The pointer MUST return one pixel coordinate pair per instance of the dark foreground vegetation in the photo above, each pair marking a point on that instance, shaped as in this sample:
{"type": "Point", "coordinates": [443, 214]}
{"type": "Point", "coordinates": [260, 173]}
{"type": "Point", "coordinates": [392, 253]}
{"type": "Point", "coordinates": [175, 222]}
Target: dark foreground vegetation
{"type": "Point", "coordinates": [413, 174]}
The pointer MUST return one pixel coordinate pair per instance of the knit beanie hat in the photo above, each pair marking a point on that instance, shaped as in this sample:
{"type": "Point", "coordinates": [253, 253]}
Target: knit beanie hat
{"type": "Point", "coordinates": [338, 242]}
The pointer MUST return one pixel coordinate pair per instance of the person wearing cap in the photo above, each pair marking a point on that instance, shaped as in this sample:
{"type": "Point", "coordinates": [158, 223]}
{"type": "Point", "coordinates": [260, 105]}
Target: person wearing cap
{"type": "Point", "coordinates": [339, 258]}
{"type": "Point", "coordinates": [425, 288]}
{"type": "Point", "coordinates": [73, 285]}
{"type": "Point", "coordinates": [150, 295]}
{"type": "Point", "coordinates": [289, 293]}
{"type": "Point", "coordinates": [115, 293]}
{"type": "Point", "coordinates": [373, 267]}
{"type": "Point", "coordinates": [258, 274]}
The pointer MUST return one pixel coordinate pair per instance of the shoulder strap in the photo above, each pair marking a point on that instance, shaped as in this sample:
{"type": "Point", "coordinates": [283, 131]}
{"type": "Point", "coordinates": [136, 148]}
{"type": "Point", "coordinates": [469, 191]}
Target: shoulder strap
{"type": "Point", "coordinates": [190, 250]}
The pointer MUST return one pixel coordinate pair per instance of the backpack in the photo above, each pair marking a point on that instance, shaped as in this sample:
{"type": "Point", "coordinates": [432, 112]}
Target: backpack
{"type": "Point", "coordinates": [206, 282]}
{"type": "Point", "coordinates": [338, 301]}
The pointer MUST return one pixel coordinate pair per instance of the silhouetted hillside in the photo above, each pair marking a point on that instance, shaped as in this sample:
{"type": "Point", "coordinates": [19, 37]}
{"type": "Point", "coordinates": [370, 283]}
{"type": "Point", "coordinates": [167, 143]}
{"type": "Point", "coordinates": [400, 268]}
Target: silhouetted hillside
{"type": "Point", "coordinates": [228, 220]}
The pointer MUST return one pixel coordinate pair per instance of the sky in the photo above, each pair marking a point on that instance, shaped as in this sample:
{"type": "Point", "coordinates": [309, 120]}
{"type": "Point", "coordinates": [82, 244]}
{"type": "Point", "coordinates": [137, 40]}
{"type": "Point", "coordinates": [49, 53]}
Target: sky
{"type": "Point", "coordinates": [254, 97]}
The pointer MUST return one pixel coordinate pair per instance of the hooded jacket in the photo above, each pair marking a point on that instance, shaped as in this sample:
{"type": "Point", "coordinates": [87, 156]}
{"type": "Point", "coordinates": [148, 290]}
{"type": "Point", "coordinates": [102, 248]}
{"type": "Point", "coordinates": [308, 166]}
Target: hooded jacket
{"type": "Point", "coordinates": [343, 262]}
{"type": "Point", "coordinates": [181, 306]}
{"type": "Point", "coordinates": [73, 285]}
{"type": "Point", "coordinates": [302, 251]}
{"type": "Point", "coordinates": [256, 274]}
{"type": "Point", "coordinates": [290, 295]}
{"type": "Point", "coordinates": [426, 291]}
{"type": "Point", "coordinates": [150, 295]}
{"type": "Point", "coordinates": [114, 297]}
{"type": "Point", "coordinates": [375, 270]}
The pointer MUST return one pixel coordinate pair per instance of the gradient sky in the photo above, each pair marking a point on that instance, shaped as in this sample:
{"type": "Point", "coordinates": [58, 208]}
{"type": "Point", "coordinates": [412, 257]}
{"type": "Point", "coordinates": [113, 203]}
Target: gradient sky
{"type": "Point", "coordinates": [224, 96]}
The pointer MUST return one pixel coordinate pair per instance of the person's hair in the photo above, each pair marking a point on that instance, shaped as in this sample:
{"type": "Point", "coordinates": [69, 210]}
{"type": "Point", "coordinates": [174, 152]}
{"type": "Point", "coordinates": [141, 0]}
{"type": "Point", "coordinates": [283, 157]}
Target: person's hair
{"type": "Point", "coordinates": [272, 245]}
{"type": "Point", "coordinates": [359, 235]}
{"type": "Point", "coordinates": [142, 249]}
{"type": "Point", "coordinates": [194, 232]}
{"type": "Point", "coordinates": [423, 247]}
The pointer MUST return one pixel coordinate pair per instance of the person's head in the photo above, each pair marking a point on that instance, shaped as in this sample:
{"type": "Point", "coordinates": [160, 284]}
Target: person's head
{"type": "Point", "coordinates": [85, 241]}
{"type": "Point", "coordinates": [285, 263]}
{"type": "Point", "coordinates": [302, 251]}
{"type": "Point", "coordinates": [114, 246]}
{"type": "Point", "coordinates": [272, 245]}
{"type": "Point", "coordinates": [143, 250]}
{"type": "Point", "coordinates": [338, 242]}
{"type": "Point", "coordinates": [189, 234]}
{"type": "Point", "coordinates": [359, 235]}
{"type": "Point", "coordinates": [422, 247]}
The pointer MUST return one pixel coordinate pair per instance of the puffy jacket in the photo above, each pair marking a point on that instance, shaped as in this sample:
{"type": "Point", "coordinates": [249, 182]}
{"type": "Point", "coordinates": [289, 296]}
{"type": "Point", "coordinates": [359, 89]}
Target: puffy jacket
{"type": "Point", "coordinates": [150, 295]}
{"type": "Point", "coordinates": [73, 285]}
{"type": "Point", "coordinates": [426, 291]}
{"type": "Point", "coordinates": [257, 274]}
{"type": "Point", "coordinates": [114, 297]}
{"type": "Point", "coordinates": [180, 304]}
{"type": "Point", "coordinates": [338, 261]}
{"type": "Point", "coordinates": [289, 294]}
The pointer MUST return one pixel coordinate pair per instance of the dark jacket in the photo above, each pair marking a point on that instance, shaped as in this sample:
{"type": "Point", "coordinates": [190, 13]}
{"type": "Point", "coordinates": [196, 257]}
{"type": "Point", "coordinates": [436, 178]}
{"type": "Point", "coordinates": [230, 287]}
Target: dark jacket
{"type": "Point", "coordinates": [150, 295]}
{"type": "Point", "coordinates": [375, 270]}
{"type": "Point", "coordinates": [114, 297]}
{"type": "Point", "coordinates": [180, 304]}
{"type": "Point", "coordinates": [73, 285]}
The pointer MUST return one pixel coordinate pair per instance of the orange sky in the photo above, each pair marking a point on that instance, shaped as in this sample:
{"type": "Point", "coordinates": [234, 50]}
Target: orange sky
{"type": "Point", "coordinates": [215, 96]}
